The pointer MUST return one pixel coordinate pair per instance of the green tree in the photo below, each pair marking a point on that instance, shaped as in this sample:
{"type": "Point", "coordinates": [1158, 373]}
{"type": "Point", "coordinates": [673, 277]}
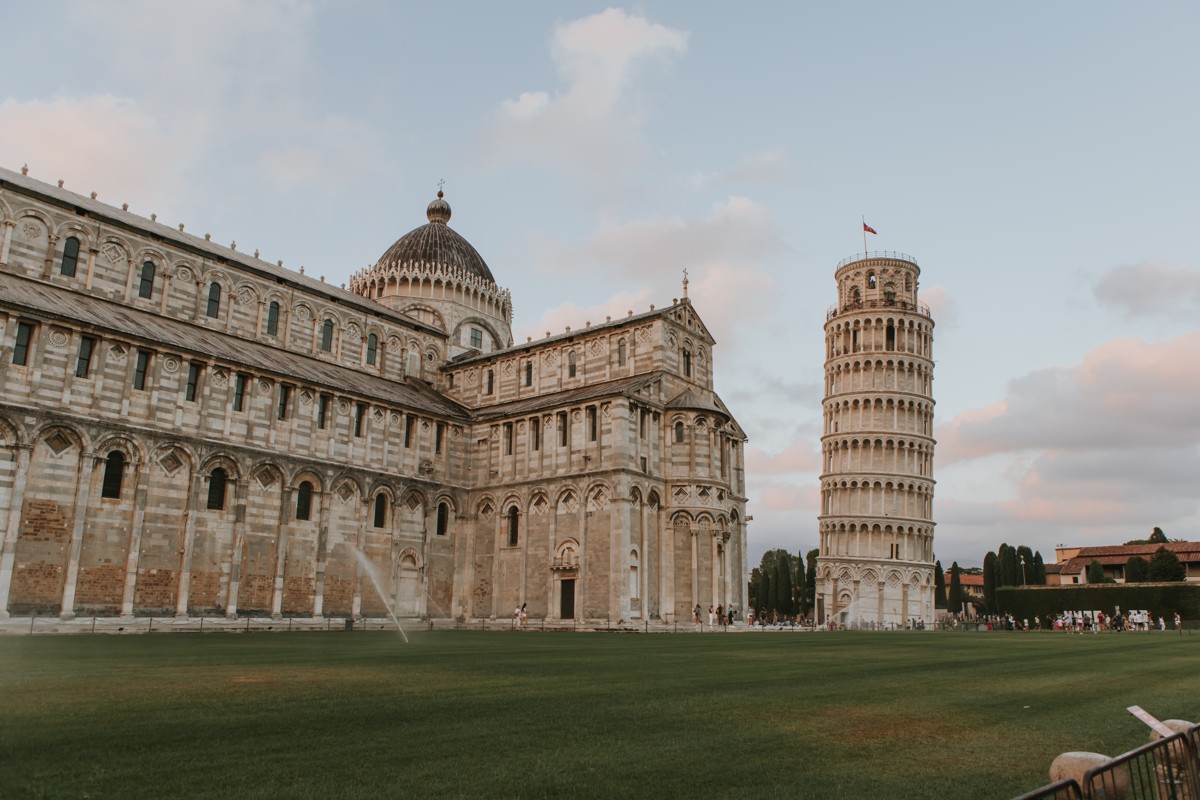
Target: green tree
{"type": "Point", "coordinates": [1095, 572]}
{"type": "Point", "coordinates": [810, 576]}
{"type": "Point", "coordinates": [799, 589]}
{"type": "Point", "coordinates": [956, 592]}
{"type": "Point", "coordinates": [989, 582]}
{"type": "Point", "coordinates": [939, 586]}
{"type": "Point", "coordinates": [1024, 566]}
{"type": "Point", "coordinates": [1039, 570]}
{"type": "Point", "coordinates": [754, 590]}
{"type": "Point", "coordinates": [1137, 570]}
{"type": "Point", "coordinates": [1157, 536]}
{"type": "Point", "coordinates": [1166, 566]}
{"type": "Point", "coordinates": [1008, 572]}
{"type": "Point", "coordinates": [783, 583]}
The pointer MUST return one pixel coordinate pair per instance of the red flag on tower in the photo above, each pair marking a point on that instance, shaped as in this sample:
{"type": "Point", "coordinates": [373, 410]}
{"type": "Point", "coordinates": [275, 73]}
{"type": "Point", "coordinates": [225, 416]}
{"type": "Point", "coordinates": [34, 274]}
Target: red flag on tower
{"type": "Point", "coordinates": [868, 229]}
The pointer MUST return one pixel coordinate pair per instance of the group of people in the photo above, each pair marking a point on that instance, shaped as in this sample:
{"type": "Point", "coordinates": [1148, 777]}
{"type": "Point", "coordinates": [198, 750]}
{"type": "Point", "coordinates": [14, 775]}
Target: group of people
{"type": "Point", "coordinates": [721, 615]}
{"type": "Point", "coordinates": [1086, 622]}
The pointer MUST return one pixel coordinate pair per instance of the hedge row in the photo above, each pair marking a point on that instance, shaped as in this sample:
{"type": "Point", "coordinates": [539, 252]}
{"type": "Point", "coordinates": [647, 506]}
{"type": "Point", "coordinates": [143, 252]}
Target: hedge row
{"type": "Point", "coordinates": [1161, 599]}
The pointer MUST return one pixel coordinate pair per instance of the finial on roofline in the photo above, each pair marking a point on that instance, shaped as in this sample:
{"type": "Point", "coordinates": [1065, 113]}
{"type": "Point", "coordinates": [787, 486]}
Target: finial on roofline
{"type": "Point", "coordinates": [685, 283]}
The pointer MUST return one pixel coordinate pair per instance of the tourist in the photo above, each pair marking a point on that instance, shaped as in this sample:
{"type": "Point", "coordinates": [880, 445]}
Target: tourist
{"type": "Point", "coordinates": [1178, 624]}
{"type": "Point", "coordinates": [524, 616]}
{"type": "Point", "coordinates": [711, 616]}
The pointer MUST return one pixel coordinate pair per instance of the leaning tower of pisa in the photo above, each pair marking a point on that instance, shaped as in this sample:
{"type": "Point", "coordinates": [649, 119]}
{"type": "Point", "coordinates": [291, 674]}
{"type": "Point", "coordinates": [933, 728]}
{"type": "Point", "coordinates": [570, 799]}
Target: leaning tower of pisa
{"type": "Point", "coordinates": [876, 524]}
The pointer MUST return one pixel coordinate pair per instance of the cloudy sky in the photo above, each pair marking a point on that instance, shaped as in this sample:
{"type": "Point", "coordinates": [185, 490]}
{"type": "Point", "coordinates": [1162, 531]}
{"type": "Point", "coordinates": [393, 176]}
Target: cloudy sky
{"type": "Point", "coordinates": [1038, 159]}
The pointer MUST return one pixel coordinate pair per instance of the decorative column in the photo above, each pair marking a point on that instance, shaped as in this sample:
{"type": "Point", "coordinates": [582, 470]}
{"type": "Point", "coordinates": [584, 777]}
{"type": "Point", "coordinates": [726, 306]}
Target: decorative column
{"type": "Point", "coordinates": [83, 488]}
{"type": "Point", "coordinates": [281, 537]}
{"type": "Point", "coordinates": [9, 226]}
{"type": "Point", "coordinates": [239, 546]}
{"type": "Point", "coordinates": [189, 539]}
{"type": "Point", "coordinates": [8, 549]}
{"type": "Point", "coordinates": [318, 609]}
{"type": "Point", "coordinates": [140, 491]}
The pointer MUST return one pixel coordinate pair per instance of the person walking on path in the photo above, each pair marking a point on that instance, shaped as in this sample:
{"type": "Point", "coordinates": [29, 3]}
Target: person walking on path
{"type": "Point", "coordinates": [1178, 624]}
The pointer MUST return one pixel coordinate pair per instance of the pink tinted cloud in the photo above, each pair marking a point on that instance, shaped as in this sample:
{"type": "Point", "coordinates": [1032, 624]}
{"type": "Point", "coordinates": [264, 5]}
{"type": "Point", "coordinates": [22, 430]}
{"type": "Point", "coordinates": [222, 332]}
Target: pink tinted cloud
{"type": "Point", "coordinates": [799, 456]}
{"type": "Point", "coordinates": [801, 501]}
{"type": "Point", "coordinates": [1126, 393]}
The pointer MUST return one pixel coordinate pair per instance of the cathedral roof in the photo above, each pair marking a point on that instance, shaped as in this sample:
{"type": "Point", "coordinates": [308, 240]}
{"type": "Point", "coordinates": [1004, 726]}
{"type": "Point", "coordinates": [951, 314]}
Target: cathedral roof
{"type": "Point", "coordinates": [173, 335]}
{"type": "Point", "coordinates": [694, 400]}
{"type": "Point", "coordinates": [620, 386]}
{"type": "Point", "coordinates": [437, 244]}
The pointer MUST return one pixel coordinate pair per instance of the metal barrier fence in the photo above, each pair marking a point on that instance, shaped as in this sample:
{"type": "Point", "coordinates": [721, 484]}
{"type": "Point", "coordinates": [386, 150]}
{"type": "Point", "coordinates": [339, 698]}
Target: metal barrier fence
{"type": "Point", "coordinates": [1060, 790]}
{"type": "Point", "coordinates": [1162, 770]}
{"type": "Point", "coordinates": [1167, 769]}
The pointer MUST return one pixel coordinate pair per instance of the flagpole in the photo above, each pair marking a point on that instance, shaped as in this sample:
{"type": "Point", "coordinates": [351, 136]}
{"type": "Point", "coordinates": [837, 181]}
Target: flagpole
{"type": "Point", "coordinates": [864, 232]}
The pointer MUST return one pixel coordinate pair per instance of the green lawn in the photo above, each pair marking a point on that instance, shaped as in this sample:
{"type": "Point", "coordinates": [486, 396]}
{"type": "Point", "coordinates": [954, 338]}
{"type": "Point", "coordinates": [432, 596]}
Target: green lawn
{"type": "Point", "coordinates": [472, 714]}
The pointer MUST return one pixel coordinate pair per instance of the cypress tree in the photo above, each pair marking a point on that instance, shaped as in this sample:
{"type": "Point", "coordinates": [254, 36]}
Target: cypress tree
{"type": "Point", "coordinates": [767, 601]}
{"type": "Point", "coordinates": [939, 586]}
{"type": "Point", "coordinates": [956, 592]}
{"type": "Point", "coordinates": [989, 582]}
{"type": "Point", "coordinates": [799, 585]}
{"type": "Point", "coordinates": [810, 577]}
{"type": "Point", "coordinates": [1009, 573]}
{"type": "Point", "coordinates": [783, 586]}
{"type": "Point", "coordinates": [1025, 573]}
{"type": "Point", "coordinates": [755, 587]}
{"type": "Point", "coordinates": [1039, 570]}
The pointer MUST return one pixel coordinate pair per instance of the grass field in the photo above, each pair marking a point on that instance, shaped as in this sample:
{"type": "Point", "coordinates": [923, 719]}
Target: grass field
{"type": "Point", "coordinates": [472, 714]}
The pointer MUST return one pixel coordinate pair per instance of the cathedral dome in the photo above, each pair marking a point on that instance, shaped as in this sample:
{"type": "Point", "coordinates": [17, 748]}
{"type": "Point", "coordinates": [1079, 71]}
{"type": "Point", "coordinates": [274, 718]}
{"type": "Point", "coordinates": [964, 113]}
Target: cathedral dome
{"type": "Point", "coordinates": [436, 244]}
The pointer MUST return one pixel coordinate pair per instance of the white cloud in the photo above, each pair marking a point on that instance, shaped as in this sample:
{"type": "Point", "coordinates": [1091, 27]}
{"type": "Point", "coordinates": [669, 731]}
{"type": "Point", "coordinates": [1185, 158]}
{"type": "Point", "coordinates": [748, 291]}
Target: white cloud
{"type": "Point", "coordinates": [555, 320]}
{"type": "Point", "coordinates": [102, 143]}
{"type": "Point", "coordinates": [1151, 288]}
{"type": "Point", "coordinates": [592, 128]}
{"type": "Point", "coordinates": [328, 151]}
{"type": "Point", "coordinates": [764, 167]}
{"type": "Point", "coordinates": [726, 253]}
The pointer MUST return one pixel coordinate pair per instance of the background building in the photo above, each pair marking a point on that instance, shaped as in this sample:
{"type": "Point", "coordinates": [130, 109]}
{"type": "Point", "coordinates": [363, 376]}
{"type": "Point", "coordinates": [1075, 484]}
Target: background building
{"type": "Point", "coordinates": [876, 525]}
{"type": "Point", "coordinates": [185, 428]}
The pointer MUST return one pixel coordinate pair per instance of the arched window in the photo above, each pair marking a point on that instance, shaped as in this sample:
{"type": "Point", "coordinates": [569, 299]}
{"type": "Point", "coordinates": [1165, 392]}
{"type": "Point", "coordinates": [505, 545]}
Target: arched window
{"type": "Point", "coordinates": [687, 363]}
{"type": "Point", "coordinates": [679, 432]}
{"type": "Point", "coordinates": [304, 500]}
{"type": "Point", "coordinates": [443, 519]}
{"type": "Point", "coordinates": [214, 299]}
{"type": "Point", "coordinates": [871, 280]}
{"type": "Point", "coordinates": [514, 517]}
{"type": "Point", "coordinates": [529, 373]}
{"type": "Point", "coordinates": [621, 349]}
{"type": "Point", "coordinates": [491, 381]}
{"type": "Point", "coordinates": [273, 318]}
{"type": "Point", "coordinates": [114, 474]}
{"type": "Point", "coordinates": [216, 489]}
{"type": "Point", "coordinates": [372, 347]}
{"type": "Point", "coordinates": [70, 257]}
{"type": "Point", "coordinates": [146, 287]}
{"type": "Point", "coordinates": [327, 335]}
{"type": "Point", "coordinates": [380, 510]}
{"type": "Point", "coordinates": [571, 364]}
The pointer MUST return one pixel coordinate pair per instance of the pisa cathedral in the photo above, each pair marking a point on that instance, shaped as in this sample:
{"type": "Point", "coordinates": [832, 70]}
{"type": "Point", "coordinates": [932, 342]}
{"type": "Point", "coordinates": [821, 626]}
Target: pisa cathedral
{"type": "Point", "coordinates": [187, 429]}
{"type": "Point", "coordinates": [875, 567]}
